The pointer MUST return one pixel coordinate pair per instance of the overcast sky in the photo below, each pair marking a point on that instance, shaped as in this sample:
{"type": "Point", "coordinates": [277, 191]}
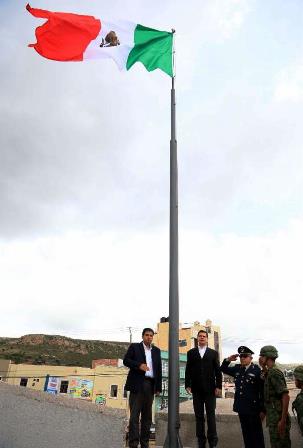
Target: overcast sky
{"type": "Point", "coordinates": [84, 176]}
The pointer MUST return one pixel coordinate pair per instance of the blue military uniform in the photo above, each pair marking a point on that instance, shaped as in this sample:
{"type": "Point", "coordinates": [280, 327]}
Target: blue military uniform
{"type": "Point", "coordinates": [248, 402]}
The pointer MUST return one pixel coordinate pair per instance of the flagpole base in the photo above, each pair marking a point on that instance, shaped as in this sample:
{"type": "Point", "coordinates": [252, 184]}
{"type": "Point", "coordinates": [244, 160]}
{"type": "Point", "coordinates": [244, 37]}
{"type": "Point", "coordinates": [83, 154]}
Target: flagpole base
{"type": "Point", "coordinates": [175, 443]}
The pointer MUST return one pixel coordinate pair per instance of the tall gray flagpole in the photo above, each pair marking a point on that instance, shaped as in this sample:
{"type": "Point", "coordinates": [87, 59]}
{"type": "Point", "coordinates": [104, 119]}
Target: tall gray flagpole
{"type": "Point", "coordinates": [173, 439]}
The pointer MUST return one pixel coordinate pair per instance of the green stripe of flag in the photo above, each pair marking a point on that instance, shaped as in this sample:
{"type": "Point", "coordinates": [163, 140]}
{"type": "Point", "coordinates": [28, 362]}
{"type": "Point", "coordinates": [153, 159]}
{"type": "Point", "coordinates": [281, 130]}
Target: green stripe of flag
{"type": "Point", "coordinates": [153, 48]}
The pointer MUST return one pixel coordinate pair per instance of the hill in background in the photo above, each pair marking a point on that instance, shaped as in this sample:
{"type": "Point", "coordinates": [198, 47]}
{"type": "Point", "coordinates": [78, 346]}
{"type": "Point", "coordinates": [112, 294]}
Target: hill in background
{"type": "Point", "coordinates": [62, 351]}
{"type": "Point", "coordinates": [59, 350]}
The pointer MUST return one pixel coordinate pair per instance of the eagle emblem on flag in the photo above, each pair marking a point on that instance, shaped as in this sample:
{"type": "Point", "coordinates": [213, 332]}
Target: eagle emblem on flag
{"type": "Point", "coordinates": [111, 40]}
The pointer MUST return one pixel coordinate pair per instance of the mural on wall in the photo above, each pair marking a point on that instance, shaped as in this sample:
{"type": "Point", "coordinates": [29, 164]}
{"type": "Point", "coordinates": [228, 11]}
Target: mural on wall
{"type": "Point", "coordinates": [100, 399]}
{"type": "Point", "coordinates": [81, 388]}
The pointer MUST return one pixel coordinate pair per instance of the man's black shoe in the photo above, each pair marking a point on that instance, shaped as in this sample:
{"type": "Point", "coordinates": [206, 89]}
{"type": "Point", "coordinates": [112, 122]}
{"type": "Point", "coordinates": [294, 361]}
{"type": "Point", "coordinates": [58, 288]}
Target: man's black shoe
{"type": "Point", "coordinates": [201, 444]}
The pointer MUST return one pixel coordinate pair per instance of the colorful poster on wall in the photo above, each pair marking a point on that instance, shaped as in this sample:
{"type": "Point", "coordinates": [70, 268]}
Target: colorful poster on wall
{"type": "Point", "coordinates": [100, 399]}
{"type": "Point", "coordinates": [52, 385]}
{"type": "Point", "coordinates": [81, 388]}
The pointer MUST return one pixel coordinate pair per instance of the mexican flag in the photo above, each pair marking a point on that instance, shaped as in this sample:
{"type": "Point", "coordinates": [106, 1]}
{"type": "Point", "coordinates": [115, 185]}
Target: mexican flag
{"type": "Point", "coordinates": [73, 37]}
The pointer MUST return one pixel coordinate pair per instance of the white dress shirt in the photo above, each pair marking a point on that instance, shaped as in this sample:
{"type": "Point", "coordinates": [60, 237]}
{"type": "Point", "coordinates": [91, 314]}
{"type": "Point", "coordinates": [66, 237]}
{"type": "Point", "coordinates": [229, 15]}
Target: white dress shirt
{"type": "Point", "coordinates": [149, 362]}
{"type": "Point", "coordinates": [202, 350]}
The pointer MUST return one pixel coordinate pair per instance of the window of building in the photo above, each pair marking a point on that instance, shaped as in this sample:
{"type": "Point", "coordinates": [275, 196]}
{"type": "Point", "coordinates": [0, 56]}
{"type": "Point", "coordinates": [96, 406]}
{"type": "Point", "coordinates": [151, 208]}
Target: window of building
{"type": "Point", "coordinates": [124, 392]}
{"type": "Point", "coordinates": [164, 386]}
{"type": "Point", "coordinates": [182, 389]}
{"type": "Point", "coordinates": [63, 387]}
{"type": "Point", "coordinates": [114, 390]}
{"type": "Point", "coordinates": [23, 382]}
{"type": "Point", "coordinates": [182, 372]}
{"type": "Point", "coordinates": [164, 368]}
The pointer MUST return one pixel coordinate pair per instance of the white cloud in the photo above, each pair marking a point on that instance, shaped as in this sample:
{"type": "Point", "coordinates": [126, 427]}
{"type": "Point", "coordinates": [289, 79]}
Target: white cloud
{"type": "Point", "coordinates": [86, 284]}
{"type": "Point", "coordinates": [229, 16]}
{"type": "Point", "coordinates": [289, 84]}
{"type": "Point", "coordinates": [84, 180]}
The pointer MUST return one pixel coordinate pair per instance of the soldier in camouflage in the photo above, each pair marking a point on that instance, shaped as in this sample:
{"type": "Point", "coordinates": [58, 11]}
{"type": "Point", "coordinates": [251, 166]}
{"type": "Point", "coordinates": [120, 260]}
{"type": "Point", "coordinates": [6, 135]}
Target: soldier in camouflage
{"type": "Point", "coordinates": [276, 399]}
{"type": "Point", "coordinates": [297, 405]}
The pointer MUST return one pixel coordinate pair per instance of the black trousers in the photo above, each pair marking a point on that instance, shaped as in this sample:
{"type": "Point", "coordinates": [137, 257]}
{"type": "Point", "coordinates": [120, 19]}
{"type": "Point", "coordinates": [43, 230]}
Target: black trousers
{"type": "Point", "coordinates": [201, 400]}
{"type": "Point", "coordinates": [252, 430]}
{"type": "Point", "coordinates": [140, 403]}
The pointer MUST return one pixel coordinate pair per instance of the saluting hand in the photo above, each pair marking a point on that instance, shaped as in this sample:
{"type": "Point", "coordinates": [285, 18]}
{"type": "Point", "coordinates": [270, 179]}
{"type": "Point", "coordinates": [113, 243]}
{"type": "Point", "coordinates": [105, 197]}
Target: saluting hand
{"type": "Point", "coordinates": [233, 357]}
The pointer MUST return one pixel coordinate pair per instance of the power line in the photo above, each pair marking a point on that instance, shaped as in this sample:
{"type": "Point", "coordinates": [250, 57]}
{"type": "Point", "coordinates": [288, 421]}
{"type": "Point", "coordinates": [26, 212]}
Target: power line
{"type": "Point", "coordinates": [235, 339]}
{"type": "Point", "coordinates": [99, 331]}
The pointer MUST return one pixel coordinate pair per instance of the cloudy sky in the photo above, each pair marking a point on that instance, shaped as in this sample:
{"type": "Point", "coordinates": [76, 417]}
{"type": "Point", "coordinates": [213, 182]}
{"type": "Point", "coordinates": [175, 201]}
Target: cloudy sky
{"type": "Point", "coordinates": [84, 176]}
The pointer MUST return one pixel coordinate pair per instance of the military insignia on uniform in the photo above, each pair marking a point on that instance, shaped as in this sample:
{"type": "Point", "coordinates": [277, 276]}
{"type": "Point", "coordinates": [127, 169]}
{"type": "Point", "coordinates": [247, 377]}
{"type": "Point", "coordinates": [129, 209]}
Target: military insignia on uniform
{"type": "Point", "coordinates": [111, 40]}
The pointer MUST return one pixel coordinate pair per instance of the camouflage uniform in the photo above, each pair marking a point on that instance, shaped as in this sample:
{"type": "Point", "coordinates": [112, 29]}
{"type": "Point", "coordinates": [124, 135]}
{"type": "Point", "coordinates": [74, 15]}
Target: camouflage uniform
{"type": "Point", "coordinates": [297, 405]}
{"type": "Point", "coordinates": [274, 388]}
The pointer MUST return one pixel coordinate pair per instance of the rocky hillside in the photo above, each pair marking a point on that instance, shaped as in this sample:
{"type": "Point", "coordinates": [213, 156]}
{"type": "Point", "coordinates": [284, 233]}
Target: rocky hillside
{"type": "Point", "coordinates": [58, 350]}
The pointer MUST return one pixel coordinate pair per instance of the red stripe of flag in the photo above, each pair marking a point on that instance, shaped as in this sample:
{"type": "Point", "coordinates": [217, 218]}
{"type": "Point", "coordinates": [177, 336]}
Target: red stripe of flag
{"type": "Point", "coordinates": [64, 36]}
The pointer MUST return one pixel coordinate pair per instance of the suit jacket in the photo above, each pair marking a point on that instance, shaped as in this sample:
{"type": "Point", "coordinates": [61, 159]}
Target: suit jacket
{"type": "Point", "coordinates": [248, 387]}
{"type": "Point", "coordinates": [203, 375]}
{"type": "Point", "coordinates": [135, 356]}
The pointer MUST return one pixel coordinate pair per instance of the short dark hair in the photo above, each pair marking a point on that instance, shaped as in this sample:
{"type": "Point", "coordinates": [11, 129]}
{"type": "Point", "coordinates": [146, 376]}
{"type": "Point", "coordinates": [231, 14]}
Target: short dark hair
{"type": "Point", "coordinates": [147, 329]}
{"type": "Point", "coordinates": [202, 331]}
{"type": "Point", "coordinates": [299, 382]}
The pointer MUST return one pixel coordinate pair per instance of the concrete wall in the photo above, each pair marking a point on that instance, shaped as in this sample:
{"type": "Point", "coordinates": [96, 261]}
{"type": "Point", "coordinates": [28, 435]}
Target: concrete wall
{"type": "Point", "coordinates": [228, 428]}
{"type": "Point", "coordinates": [33, 419]}
{"type": "Point", "coordinates": [4, 367]}
{"type": "Point", "coordinates": [34, 372]}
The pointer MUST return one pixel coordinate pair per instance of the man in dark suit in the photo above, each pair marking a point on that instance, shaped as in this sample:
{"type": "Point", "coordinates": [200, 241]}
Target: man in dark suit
{"type": "Point", "coordinates": [203, 379]}
{"type": "Point", "coordinates": [248, 400]}
{"type": "Point", "coordinates": [143, 381]}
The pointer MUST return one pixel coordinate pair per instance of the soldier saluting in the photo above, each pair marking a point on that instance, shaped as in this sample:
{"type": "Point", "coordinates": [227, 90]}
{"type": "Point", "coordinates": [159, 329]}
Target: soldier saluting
{"type": "Point", "coordinates": [248, 401]}
{"type": "Point", "coordinates": [276, 399]}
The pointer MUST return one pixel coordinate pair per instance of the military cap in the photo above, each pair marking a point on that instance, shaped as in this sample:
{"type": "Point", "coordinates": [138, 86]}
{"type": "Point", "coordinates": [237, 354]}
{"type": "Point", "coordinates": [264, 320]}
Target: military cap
{"type": "Point", "coordinates": [242, 350]}
{"type": "Point", "coordinates": [269, 351]}
{"type": "Point", "coordinates": [298, 373]}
